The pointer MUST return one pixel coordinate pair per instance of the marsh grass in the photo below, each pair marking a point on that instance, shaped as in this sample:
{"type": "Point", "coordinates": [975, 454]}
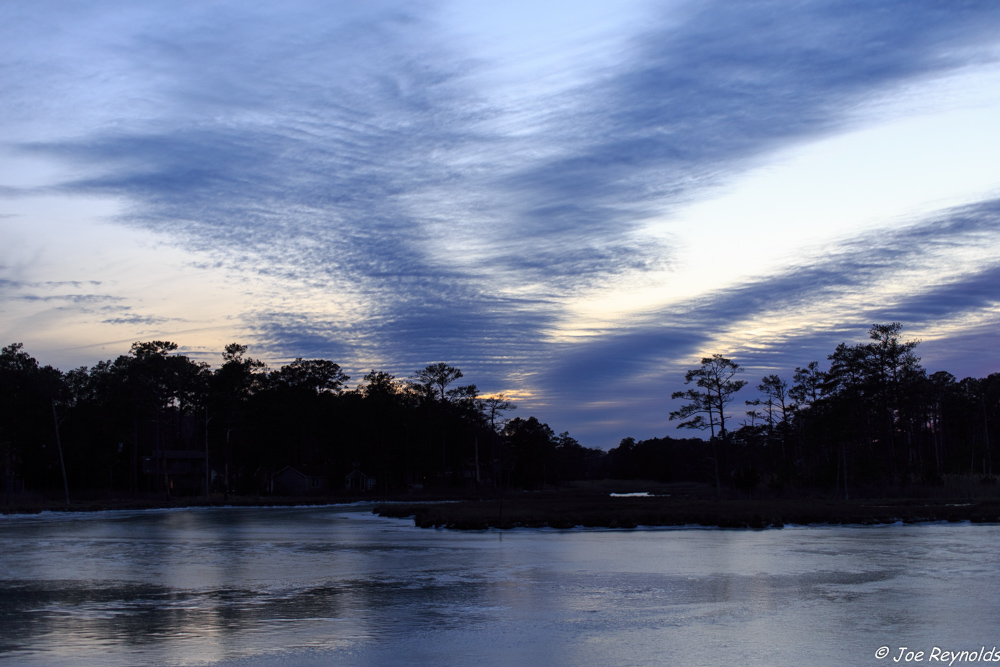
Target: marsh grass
{"type": "Point", "coordinates": [680, 505]}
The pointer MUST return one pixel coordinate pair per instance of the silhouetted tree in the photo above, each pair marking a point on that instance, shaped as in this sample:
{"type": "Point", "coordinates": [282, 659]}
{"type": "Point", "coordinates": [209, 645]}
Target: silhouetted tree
{"type": "Point", "coordinates": [27, 395]}
{"type": "Point", "coordinates": [533, 444]}
{"type": "Point", "coordinates": [316, 375]}
{"type": "Point", "coordinates": [715, 379]}
{"type": "Point", "coordinates": [807, 385]}
{"type": "Point", "coordinates": [775, 391]}
{"type": "Point", "coordinates": [436, 378]}
{"type": "Point", "coordinates": [379, 385]}
{"type": "Point", "coordinates": [493, 408]}
{"type": "Point", "coordinates": [233, 384]}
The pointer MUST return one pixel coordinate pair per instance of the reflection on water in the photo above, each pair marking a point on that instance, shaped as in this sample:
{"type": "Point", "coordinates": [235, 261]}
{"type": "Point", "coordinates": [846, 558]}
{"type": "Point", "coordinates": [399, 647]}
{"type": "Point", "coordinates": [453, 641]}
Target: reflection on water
{"type": "Point", "coordinates": [336, 584]}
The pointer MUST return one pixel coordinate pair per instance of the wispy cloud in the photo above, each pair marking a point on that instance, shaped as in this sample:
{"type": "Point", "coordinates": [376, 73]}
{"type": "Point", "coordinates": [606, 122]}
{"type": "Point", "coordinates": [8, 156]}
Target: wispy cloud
{"type": "Point", "coordinates": [69, 298]}
{"type": "Point", "coordinates": [6, 284]}
{"type": "Point", "coordinates": [136, 319]}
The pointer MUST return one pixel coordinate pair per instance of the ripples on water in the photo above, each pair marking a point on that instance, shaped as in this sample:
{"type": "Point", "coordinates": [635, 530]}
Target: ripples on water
{"type": "Point", "coordinates": [337, 585]}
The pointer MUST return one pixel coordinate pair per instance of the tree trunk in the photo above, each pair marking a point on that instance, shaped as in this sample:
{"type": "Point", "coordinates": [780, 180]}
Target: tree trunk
{"type": "Point", "coordinates": [843, 455]}
{"type": "Point", "coordinates": [62, 464]}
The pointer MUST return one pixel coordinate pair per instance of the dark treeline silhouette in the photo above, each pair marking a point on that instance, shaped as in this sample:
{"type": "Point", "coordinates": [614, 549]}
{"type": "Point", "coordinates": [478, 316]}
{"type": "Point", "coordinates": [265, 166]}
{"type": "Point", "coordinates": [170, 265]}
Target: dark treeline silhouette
{"type": "Point", "coordinates": [156, 422]}
{"type": "Point", "coordinates": [874, 422]}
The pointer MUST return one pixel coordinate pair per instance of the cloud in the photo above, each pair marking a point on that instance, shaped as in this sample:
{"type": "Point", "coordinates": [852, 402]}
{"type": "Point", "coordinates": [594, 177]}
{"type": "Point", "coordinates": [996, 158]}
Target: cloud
{"type": "Point", "coordinates": [857, 265]}
{"type": "Point", "coordinates": [76, 299]}
{"type": "Point", "coordinates": [714, 93]}
{"type": "Point", "coordinates": [350, 149]}
{"type": "Point", "coordinates": [494, 341]}
{"type": "Point", "coordinates": [343, 151]}
{"type": "Point", "coordinates": [6, 284]}
{"type": "Point", "coordinates": [622, 379]}
{"type": "Point", "coordinates": [135, 319]}
{"type": "Point", "coordinates": [971, 292]}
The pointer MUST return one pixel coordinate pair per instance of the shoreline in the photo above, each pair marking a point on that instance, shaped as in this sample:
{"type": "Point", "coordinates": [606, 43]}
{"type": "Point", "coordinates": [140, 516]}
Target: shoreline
{"type": "Point", "coordinates": [32, 508]}
{"type": "Point", "coordinates": [560, 512]}
{"type": "Point", "coordinates": [586, 508]}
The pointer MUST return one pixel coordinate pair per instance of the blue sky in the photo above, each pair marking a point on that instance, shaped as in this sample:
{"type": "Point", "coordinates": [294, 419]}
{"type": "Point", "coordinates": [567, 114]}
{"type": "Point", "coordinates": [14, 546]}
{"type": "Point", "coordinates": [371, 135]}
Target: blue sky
{"type": "Point", "coordinates": [571, 201]}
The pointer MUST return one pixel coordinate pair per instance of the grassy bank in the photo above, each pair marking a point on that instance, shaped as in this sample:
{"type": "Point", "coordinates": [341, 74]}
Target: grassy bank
{"type": "Point", "coordinates": [590, 508]}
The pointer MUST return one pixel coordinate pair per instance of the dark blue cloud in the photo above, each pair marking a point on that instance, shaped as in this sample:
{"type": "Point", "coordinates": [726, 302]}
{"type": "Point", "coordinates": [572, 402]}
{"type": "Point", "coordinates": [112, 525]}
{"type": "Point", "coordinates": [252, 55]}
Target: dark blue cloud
{"type": "Point", "coordinates": [976, 291]}
{"type": "Point", "coordinates": [715, 93]}
{"type": "Point", "coordinates": [491, 342]}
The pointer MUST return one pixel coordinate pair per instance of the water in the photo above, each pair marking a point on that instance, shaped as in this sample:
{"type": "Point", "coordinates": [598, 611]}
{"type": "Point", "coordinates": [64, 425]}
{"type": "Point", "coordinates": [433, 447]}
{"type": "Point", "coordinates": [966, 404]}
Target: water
{"type": "Point", "coordinates": [337, 585]}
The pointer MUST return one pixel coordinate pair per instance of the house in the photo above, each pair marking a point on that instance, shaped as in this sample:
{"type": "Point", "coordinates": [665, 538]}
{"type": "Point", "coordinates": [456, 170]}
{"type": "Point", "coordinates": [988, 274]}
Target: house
{"type": "Point", "coordinates": [291, 481]}
{"type": "Point", "coordinates": [180, 471]}
{"type": "Point", "coordinates": [358, 481]}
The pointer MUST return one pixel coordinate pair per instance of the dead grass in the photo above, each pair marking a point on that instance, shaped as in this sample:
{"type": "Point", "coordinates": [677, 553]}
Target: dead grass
{"type": "Point", "coordinates": [568, 509]}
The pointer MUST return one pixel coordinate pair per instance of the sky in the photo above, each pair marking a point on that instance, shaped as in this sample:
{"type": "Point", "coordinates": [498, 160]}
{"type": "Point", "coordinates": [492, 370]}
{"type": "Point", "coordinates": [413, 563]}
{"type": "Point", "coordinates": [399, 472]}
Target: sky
{"type": "Point", "coordinates": [573, 202]}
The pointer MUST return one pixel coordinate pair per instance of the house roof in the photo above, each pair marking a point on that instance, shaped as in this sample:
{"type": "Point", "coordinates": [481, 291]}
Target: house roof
{"type": "Point", "coordinates": [299, 470]}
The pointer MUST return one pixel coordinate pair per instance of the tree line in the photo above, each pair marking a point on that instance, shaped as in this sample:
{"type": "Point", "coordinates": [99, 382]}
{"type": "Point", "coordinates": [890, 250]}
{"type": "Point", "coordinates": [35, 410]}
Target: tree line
{"type": "Point", "coordinates": [873, 420]}
{"type": "Point", "coordinates": [156, 421]}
